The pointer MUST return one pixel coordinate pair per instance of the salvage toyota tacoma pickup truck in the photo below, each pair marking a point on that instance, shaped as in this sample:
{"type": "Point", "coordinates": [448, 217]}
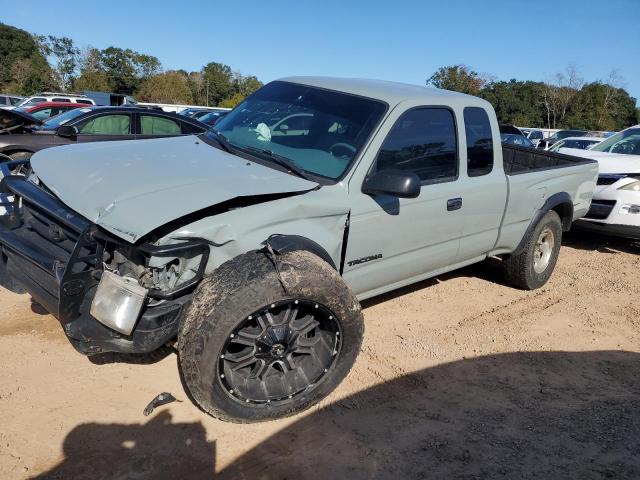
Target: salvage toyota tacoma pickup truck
{"type": "Point", "coordinates": [252, 244]}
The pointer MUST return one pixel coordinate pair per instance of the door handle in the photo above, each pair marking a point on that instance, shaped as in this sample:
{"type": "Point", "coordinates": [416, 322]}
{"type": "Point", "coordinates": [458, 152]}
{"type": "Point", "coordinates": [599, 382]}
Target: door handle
{"type": "Point", "coordinates": [454, 204]}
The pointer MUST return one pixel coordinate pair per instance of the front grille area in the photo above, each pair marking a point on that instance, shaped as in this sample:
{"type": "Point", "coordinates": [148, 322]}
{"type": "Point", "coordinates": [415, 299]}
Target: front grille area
{"type": "Point", "coordinates": [48, 248]}
{"type": "Point", "coordinates": [600, 209]}
{"type": "Point", "coordinates": [608, 179]}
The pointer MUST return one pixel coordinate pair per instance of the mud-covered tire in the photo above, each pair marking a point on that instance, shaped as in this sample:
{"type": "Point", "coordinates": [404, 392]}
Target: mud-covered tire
{"type": "Point", "coordinates": [246, 284]}
{"type": "Point", "coordinates": [521, 269]}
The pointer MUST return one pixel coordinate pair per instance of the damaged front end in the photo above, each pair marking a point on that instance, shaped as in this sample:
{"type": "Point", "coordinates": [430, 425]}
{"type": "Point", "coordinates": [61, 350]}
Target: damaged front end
{"type": "Point", "coordinates": [108, 294]}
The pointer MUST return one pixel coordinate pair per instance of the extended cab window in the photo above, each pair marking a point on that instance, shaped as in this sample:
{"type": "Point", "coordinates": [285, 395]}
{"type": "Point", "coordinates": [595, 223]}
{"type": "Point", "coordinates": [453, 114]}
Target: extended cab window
{"type": "Point", "coordinates": [479, 141]}
{"type": "Point", "coordinates": [107, 125]}
{"type": "Point", "coordinates": [422, 141]}
{"type": "Point", "coordinates": [152, 125]}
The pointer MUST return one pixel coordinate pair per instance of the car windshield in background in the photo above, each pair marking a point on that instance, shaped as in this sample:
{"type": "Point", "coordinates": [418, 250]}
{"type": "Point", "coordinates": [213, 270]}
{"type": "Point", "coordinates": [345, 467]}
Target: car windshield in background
{"type": "Point", "coordinates": [573, 143]}
{"type": "Point", "coordinates": [565, 134]}
{"type": "Point", "coordinates": [520, 140]}
{"type": "Point", "coordinates": [54, 122]}
{"type": "Point", "coordinates": [319, 131]}
{"type": "Point", "coordinates": [626, 142]}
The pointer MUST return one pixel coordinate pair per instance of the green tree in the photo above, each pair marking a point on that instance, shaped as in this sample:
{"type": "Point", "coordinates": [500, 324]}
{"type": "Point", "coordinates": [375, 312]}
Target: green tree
{"type": "Point", "coordinates": [65, 55]}
{"type": "Point", "coordinates": [92, 76]}
{"type": "Point", "coordinates": [218, 82]}
{"type": "Point", "coordinates": [169, 87]}
{"type": "Point", "coordinates": [516, 102]}
{"type": "Point", "coordinates": [231, 102]}
{"type": "Point", "coordinates": [246, 85]}
{"type": "Point", "coordinates": [458, 78]}
{"type": "Point", "coordinates": [92, 80]}
{"type": "Point", "coordinates": [119, 69]}
{"type": "Point", "coordinates": [23, 68]}
{"type": "Point", "coordinates": [600, 106]}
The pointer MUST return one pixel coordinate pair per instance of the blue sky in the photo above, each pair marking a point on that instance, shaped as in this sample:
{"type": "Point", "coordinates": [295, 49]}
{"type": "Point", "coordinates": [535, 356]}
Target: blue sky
{"type": "Point", "coordinates": [401, 40]}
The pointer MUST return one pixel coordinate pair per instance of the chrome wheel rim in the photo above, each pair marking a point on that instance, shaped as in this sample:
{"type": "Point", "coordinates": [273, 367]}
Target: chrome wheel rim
{"type": "Point", "coordinates": [543, 250]}
{"type": "Point", "coordinates": [279, 352]}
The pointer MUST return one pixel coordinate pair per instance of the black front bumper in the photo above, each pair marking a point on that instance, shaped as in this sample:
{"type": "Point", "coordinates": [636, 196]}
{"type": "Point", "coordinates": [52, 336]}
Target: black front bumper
{"type": "Point", "coordinates": [55, 255]}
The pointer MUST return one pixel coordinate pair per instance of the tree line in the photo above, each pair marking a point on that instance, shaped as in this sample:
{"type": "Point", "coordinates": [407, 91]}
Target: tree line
{"type": "Point", "coordinates": [35, 63]}
{"type": "Point", "coordinates": [564, 101]}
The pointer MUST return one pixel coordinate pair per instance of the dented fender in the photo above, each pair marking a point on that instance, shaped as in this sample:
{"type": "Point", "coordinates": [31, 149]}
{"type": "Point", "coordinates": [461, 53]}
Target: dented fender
{"type": "Point", "coordinates": [319, 215]}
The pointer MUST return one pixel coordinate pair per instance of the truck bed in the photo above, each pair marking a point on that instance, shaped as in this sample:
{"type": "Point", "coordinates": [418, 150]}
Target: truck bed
{"type": "Point", "coordinates": [532, 177]}
{"type": "Point", "coordinates": [519, 160]}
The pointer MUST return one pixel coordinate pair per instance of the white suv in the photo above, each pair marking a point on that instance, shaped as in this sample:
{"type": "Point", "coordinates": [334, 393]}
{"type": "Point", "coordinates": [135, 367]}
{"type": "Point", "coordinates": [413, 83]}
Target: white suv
{"type": "Point", "coordinates": [52, 97]}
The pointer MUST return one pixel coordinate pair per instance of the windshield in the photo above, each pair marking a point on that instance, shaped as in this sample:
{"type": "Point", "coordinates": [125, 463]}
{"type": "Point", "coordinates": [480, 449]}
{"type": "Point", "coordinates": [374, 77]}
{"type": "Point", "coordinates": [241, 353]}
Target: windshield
{"type": "Point", "coordinates": [511, 139]}
{"type": "Point", "coordinates": [319, 131]}
{"type": "Point", "coordinates": [573, 143]}
{"type": "Point", "coordinates": [54, 122]}
{"type": "Point", "coordinates": [566, 133]}
{"type": "Point", "coordinates": [627, 142]}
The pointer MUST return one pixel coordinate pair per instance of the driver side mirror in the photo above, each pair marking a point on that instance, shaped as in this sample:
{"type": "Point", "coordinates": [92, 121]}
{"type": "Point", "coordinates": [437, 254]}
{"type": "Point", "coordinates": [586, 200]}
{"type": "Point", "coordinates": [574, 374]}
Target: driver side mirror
{"type": "Point", "coordinates": [396, 183]}
{"type": "Point", "coordinates": [284, 127]}
{"type": "Point", "coordinates": [67, 131]}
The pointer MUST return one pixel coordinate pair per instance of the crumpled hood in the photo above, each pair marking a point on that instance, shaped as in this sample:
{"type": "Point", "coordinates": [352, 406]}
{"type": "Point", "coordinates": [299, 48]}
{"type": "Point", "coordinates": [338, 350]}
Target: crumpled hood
{"type": "Point", "coordinates": [608, 162]}
{"type": "Point", "coordinates": [14, 121]}
{"type": "Point", "coordinates": [133, 187]}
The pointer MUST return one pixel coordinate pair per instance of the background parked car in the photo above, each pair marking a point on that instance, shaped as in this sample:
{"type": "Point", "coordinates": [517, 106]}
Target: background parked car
{"type": "Point", "coordinates": [211, 118]}
{"type": "Point", "coordinates": [615, 208]}
{"type": "Point", "coordinates": [53, 97]}
{"type": "Point", "coordinates": [546, 143]}
{"type": "Point", "coordinates": [581, 143]}
{"type": "Point", "coordinates": [512, 139]}
{"type": "Point", "coordinates": [91, 124]}
{"type": "Point", "coordinates": [45, 110]}
{"type": "Point", "coordinates": [535, 136]}
{"type": "Point", "coordinates": [192, 111]}
{"type": "Point", "coordinates": [9, 100]}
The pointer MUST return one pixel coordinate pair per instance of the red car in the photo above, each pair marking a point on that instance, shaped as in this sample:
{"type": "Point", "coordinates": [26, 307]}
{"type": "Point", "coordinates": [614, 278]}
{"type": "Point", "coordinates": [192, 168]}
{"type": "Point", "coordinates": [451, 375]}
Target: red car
{"type": "Point", "coordinates": [45, 110]}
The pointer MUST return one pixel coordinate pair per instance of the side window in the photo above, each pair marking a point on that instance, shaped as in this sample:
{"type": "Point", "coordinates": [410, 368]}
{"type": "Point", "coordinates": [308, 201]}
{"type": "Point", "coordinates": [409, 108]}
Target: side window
{"type": "Point", "coordinates": [107, 125]}
{"type": "Point", "coordinates": [422, 141]}
{"type": "Point", "coordinates": [61, 100]}
{"type": "Point", "coordinates": [151, 125]}
{"type": "Point", "coordinates": [43, 114]}
{"type": "Point", "coordinates": [535, 135]}
{"type": "Point", "coordinates": [34, 101]}
{"type": "Point", "coordinates": [84, 102]}
{"type": "Point", "coordinates": [479, 141]}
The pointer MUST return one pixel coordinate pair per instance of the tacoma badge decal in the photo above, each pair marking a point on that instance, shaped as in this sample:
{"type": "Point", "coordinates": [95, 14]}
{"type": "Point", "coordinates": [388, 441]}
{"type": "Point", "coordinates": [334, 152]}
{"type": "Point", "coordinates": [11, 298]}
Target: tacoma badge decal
{"type": "Point", "coordinates": [364, 259]}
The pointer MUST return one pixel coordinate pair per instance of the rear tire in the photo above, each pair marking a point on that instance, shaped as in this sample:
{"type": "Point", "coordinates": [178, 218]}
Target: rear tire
{"type": "Point", "coordinates": [532, 267]}
{"type": "Point", "coordinates": [246, 346]}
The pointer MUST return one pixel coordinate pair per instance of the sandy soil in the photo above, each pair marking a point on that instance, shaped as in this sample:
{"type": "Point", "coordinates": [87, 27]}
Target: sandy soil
{"type": "Point", "coordinates": [459, 377]}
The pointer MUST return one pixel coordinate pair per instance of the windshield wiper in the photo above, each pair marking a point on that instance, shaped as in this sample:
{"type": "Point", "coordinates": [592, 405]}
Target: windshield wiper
{"type": "Point", "coordinates": [222, 141]}
{"type": "Point", "coordinates": [279, 159]}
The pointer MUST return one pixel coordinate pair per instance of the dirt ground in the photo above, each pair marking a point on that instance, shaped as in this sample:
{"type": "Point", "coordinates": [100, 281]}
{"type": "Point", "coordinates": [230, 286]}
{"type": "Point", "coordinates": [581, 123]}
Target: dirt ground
{"type": "Point", "coordinates": [459, 377]}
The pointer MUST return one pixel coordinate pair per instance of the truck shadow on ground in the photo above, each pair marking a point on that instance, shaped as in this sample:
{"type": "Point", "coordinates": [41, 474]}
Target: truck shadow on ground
{"type": "Point", "coordinates": [516, 415]}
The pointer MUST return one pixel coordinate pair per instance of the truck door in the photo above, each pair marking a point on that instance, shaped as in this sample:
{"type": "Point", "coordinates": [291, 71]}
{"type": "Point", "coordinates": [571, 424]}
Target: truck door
{"type": "Point", "coordinates": [392, 241]}
{"type": "Point", "coordinates": [485, 185]}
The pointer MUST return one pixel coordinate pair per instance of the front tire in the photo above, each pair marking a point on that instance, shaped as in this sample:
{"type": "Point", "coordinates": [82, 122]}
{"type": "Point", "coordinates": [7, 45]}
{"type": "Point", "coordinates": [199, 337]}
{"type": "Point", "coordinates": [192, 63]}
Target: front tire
{"type": "Point", "coordinates": [532, 267]}
{"type": "Point", "coordinates": [256, 346]}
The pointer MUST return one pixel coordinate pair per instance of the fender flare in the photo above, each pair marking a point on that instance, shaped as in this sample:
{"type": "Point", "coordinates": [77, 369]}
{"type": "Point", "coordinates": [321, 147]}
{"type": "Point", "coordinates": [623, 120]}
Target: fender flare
{"type": "Point", "coordinates": [282, 244]}
{"type": "Point", "coordinates": [562, 204]}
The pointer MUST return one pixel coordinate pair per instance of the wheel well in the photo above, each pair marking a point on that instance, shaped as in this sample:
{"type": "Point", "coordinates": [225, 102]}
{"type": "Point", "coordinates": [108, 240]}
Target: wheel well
{"type": "Point", "coordinates": [565, 212]}
{"type": "Point", "coordinates": [282, 244]}
{"type": "Point", "coordinates": [15, 150]}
